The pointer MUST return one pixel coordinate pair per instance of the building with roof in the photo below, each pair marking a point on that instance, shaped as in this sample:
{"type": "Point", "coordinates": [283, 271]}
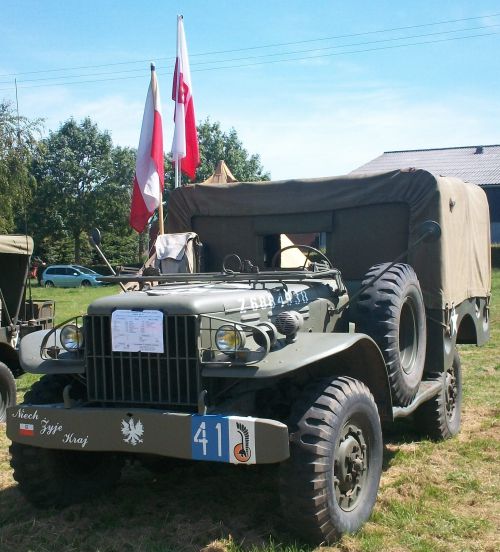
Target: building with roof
{"type": "Point", "coordinates": [477, 164]}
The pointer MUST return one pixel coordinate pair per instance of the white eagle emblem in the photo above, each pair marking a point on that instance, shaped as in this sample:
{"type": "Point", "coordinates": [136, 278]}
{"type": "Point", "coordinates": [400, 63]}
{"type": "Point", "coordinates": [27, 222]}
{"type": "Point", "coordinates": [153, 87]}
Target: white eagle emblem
{"type": "Point", "coordinates": [132, 432]}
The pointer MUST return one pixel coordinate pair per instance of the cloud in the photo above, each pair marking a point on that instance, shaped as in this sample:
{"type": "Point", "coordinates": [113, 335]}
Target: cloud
{"type": "Point", "coordinates": [332, 135]}
{"type": "Point", "coordinates": [308, 133]}
{"type": "Point", "coordinates": [115, 113]}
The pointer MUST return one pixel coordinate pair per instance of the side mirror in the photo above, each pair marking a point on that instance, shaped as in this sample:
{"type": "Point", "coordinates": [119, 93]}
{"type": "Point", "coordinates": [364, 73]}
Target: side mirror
{"type": "Point", "coordinates": [95, 237]}
{"type": "Point", "coordinates": [429, 231]}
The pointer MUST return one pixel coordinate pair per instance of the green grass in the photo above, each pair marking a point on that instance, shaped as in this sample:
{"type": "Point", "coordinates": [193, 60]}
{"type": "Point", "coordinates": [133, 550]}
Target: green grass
{"type": "Point", "coordinates": [434, 497]}
{"type": "Point", "coordinates": [71, 301]}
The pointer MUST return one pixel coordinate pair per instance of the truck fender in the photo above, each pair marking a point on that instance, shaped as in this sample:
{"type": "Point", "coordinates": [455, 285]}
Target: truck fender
{"type": "Point", "coordinates": [31, 361]}
{"type": "Point", "coordinates": [323, 355]}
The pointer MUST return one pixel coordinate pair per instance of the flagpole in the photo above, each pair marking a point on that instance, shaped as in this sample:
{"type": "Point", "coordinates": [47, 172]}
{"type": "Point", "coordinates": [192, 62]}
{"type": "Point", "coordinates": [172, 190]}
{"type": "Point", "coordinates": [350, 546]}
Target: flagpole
{"type": "Point", "coordinates": [161, 229]}
{"type": "Point", "coordinates": [177, 175]}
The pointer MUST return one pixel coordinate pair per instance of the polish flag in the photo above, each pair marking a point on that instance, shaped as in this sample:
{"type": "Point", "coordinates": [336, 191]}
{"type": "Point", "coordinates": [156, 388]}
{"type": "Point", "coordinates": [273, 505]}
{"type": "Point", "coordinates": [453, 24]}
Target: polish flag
{"type": "Point", "coordinates": [185, 143]}
{"type": "Point", "coordinates": [26, 429]}
{"type": "Point", "coordinates": [149, 172]}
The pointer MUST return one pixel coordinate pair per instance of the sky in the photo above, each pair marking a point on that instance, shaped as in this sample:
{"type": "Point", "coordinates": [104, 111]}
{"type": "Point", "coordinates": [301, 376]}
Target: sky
{"type": "Point", "coordinates": [315, 88]}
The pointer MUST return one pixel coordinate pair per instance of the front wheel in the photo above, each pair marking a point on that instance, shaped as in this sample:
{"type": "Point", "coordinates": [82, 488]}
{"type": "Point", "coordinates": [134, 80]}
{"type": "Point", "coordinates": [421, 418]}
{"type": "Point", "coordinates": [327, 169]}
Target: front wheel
{"type": "Point", "coordinates": [58, 478]}
{"type": "Point", "coordinates": [329, 484]}
{"type": "Point", "coordinates": [7, 390]}
{"type": "Point", "coordinates": [86, 283]}
{"type": "Point", "coordinates": [49, 477]}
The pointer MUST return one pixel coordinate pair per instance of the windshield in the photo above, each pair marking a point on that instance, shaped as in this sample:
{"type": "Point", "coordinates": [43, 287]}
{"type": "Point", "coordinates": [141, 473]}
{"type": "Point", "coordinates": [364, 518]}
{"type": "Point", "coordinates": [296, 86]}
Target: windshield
{"type": "Point", "coordinates": [85, 270]}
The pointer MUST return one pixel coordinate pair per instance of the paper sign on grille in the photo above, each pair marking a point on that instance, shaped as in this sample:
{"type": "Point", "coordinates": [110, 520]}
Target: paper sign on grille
{"type": "Point", "coordinates": [134, 331]}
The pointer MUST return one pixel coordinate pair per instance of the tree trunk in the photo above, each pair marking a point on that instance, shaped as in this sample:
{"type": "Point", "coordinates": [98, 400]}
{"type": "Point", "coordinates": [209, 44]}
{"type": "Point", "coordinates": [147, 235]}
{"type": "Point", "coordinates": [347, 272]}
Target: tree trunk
{"type": "Point", "coordinates": [143, 240]}
{"type": "Point", "coordinates": [78, 252]}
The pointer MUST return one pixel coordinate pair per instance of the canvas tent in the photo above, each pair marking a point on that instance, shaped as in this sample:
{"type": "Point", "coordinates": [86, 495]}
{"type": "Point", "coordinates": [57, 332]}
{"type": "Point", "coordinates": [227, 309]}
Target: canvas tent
{"type": "Point", "coordinates": [221, 175]}
{"type": "Point", "coordinates": [366, 219]}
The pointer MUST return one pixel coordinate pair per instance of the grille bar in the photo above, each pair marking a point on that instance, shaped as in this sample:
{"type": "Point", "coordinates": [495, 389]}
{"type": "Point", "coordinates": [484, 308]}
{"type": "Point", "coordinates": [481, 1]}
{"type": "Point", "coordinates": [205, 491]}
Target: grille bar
{"type": "Point", "coordinates": [170, 378]}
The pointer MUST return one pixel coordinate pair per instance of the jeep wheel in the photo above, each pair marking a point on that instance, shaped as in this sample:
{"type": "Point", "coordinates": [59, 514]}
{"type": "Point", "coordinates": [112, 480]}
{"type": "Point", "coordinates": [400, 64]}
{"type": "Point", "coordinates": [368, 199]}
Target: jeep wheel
{"type": "Point", "coordinates": [7, 390]}
{"type": "Point", "coordinates": [440, 417]}
{"type": "Point", "coordinates": [48, 477]}
{"type": "Point", "coordinates": [392, 312]}
{"type": "Point", "coordinates": [329, 484]}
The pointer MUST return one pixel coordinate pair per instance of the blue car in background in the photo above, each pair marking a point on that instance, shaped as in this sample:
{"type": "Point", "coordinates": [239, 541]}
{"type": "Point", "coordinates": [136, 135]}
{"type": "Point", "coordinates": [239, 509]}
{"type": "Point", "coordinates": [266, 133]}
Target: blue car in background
{"type": "Point", "coordinates": [69, 276]}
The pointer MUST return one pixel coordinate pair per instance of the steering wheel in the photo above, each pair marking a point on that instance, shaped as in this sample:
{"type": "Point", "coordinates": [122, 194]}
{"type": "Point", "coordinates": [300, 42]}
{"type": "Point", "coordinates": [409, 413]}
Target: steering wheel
{"type": "Point", "coordinates": [307, 248]}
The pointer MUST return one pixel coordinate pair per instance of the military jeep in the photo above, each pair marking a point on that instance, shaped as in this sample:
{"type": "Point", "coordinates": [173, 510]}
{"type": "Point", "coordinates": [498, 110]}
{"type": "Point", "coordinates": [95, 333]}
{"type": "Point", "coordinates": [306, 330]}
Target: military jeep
{"type": "Point", "coordinates": [18, 316]}
{"type": "Point", "coordinates": [323, 309]}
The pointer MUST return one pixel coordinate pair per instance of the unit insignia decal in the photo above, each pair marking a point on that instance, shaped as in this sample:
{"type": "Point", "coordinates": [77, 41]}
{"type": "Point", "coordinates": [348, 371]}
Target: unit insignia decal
{"type": "Point", "coordinates": [241, 450]}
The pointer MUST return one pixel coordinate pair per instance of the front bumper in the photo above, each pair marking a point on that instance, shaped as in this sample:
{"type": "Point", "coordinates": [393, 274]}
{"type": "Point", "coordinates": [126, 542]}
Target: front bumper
{"type": "Point", "coordinates": [231, 439]}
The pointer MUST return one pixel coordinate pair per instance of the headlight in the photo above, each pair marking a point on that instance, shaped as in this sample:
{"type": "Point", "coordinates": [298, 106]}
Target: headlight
{"type": "Point", "coordinates": [229, 338]}
{"type": "Point", "coordinates": [71, 338]}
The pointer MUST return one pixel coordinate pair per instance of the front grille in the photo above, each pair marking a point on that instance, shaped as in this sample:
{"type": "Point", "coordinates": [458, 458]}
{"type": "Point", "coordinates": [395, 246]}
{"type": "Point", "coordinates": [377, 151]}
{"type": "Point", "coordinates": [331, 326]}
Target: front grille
{"type": "Point", "coordinates": [160, 379]}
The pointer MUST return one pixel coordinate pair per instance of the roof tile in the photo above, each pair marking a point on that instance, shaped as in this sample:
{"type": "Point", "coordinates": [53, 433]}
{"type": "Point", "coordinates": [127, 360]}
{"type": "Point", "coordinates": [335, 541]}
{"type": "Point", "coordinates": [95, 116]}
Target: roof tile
{"type": "Point", "coordinates": [462, 162]}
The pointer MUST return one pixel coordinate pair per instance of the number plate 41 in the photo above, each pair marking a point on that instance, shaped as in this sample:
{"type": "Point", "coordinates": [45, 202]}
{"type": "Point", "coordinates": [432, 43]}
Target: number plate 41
{"type": "Point", "coordinates": [223, 439]}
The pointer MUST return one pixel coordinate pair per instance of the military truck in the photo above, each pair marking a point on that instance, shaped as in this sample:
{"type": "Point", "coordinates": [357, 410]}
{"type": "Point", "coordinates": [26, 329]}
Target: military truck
{"type": "Point", "coordinates": [18, 317]}
{"type": "Point", "coordinates": [254, 361]}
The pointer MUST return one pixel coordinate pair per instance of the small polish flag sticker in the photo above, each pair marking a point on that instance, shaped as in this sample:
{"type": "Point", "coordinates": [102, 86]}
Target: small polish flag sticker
{"type": "Point", "coordinates": [26, 429]}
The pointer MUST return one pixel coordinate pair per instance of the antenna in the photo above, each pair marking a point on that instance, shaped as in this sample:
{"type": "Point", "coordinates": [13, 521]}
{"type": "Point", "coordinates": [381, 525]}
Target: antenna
{"type": "Point", "coordinates": [23, 196]}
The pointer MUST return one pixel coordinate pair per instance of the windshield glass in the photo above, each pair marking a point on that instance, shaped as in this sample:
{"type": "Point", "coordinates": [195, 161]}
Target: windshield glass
{"type": "Point", "coordinates": [85, 270]}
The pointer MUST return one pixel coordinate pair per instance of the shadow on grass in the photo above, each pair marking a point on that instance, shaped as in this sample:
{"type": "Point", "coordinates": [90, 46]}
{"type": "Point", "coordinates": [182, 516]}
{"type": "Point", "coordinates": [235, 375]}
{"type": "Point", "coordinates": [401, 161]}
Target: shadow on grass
{"type": "Point", "coordinates": [179, 507]}
{"type": "Point", "coordinates": [182, 510]}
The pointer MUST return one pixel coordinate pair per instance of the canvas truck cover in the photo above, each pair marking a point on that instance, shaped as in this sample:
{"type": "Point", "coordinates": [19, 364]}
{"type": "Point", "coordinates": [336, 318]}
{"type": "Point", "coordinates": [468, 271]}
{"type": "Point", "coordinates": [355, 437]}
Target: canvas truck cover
{"type": "Point", "coordinates": [367, 219]}
{"type": "Point", "coordinates": [16, 244]}
{"type": "Point", "coordinates": [15, 251]}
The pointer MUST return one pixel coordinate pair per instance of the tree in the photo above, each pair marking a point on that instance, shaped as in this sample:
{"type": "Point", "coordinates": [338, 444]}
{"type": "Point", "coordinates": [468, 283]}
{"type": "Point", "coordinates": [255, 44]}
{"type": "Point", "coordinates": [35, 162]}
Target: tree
{"type": "Point", "coordinates": [18, 141]}
{"type": "Point", "coordinates": [74, 170]}
{"type": "Point", "coordinates": [216, 145]}
{"type": "Point", "coordinates": [122, 245]}
{"type": "Point", "coordinates": [83, 181]}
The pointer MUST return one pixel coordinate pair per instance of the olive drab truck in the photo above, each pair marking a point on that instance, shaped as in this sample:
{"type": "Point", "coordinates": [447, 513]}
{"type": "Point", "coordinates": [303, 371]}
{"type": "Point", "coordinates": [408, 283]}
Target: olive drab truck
{"type": "Point", "coordinates": [316, 311]}
{"type": "Point", "coordinates": [18, 316]}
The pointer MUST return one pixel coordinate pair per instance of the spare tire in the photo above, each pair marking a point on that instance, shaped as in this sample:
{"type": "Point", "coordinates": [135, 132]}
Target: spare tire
{"type": "Point", "coordinates": [392, 312]}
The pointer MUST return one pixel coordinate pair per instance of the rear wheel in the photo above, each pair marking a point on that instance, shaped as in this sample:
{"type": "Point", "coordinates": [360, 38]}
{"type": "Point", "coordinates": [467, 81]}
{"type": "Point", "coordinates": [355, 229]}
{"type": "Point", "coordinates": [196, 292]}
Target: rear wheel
{"type": "Point", "coordinates": [440, 417]}
{"type": "Point", "coordinates": [7, 390]}
{"type": "Point", "coordinates": [49, 283]}
{"type": "Point", "coordinates": [392, 312]}
{"type": "Point", "coordinates": [329, 484]}
{"type": "Point", "coordinates": [48, 477]}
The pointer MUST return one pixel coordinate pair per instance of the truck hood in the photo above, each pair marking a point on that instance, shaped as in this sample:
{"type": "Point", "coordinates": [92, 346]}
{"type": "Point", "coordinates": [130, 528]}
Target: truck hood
{"type": "Point", "coordinates": [204, 298]}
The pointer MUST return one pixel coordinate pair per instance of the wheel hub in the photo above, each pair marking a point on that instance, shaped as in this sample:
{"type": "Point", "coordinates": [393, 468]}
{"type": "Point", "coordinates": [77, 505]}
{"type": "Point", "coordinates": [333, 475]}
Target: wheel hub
{"type": "Point", "coordinates": [408, 336]}
{"type": "Point", "coordinates": [451, 391]}
{"type": "Point", "coordinates": [350, 467]}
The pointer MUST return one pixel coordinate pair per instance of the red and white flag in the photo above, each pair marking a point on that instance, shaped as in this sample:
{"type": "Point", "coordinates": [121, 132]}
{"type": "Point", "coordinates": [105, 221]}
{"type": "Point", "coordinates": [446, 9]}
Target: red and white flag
{"type": "Point", "coordinates": [149, 171]}
{"type": "Point", "coordinates": [26, 429]}
{"type": "Point", "coordinates": [185, 143]}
